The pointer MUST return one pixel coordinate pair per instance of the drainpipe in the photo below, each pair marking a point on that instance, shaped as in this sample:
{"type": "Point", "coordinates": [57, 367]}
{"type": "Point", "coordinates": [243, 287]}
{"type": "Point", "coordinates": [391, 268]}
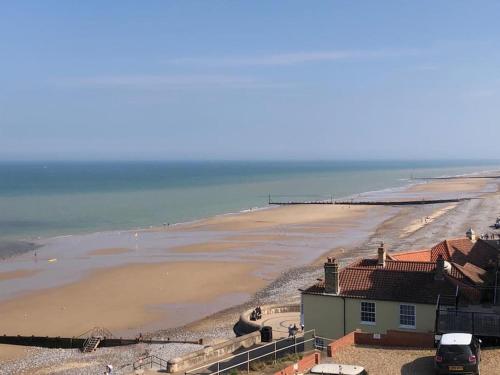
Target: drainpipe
{"type": "Point", "coordinates": [343, 298]}
{"type": "Point", "coordinates": [496, 285]}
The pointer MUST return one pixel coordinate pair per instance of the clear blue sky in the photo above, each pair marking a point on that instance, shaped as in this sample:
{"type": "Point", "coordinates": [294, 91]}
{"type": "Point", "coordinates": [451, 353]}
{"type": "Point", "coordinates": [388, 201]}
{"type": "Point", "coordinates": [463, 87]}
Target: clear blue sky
{"type": "Point", "coordinates": [249, 80]}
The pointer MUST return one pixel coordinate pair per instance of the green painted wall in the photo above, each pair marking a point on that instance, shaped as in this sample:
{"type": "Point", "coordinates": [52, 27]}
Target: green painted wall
{"type": "Point", "coordinates": [325, 314]}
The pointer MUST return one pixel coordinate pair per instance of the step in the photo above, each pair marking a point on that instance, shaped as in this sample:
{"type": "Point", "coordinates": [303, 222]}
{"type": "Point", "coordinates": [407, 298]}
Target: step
{"type": "Point", "coordinates": [91, 344]}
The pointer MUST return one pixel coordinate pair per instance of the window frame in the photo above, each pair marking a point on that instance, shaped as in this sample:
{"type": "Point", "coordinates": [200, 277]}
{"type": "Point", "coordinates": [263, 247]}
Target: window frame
{"type": "Point", "coordinates": [374, 312]}
{"type": "Point", "coordinates": [414, 316]}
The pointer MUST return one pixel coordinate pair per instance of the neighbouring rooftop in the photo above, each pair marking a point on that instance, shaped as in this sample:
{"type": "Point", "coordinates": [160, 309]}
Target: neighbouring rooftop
{"type": "Point", "coordinates": [419, 276]}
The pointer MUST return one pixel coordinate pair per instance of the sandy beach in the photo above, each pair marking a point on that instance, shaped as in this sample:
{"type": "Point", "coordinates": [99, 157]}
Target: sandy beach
{"type": "Point", "coordinates": [137, 292]}
{"type": "Point", "coordinates": [256, 247]}
{"type": "Point", "coordinates": [159, 281]}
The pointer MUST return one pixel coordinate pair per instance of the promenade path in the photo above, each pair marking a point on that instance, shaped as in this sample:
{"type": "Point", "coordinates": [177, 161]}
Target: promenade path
{"type": "Point", "coordinates": [280, 323]}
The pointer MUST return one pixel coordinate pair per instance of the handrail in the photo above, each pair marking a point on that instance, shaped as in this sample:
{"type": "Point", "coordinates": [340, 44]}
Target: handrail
{"type": "Point", "coordinates": [97, 331]}
{"type": "Point", "coordinates": [149, 360]}
{"type": "Point", "coordinates": [254, 349]}
{"type": "Point", "coordinates": [248, 360]}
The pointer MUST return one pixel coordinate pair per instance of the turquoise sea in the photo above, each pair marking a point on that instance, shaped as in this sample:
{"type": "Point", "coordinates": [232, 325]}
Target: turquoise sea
{"type": "Point", "coordinates": [45, 199]}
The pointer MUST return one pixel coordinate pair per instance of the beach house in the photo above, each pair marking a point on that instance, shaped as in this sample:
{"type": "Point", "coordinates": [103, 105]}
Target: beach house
{"type": "Point", "coordinates": [401, 292]}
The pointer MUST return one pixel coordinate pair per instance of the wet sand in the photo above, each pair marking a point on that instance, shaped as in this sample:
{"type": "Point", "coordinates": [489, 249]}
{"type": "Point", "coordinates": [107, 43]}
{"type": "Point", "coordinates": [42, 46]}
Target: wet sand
{"type": "Point", "coordinates": [19, 274]}
{"type": "Point", "coordinates": [425, 220]}
{"type": "Point", "coordinates": [124, 297]}
{"type": "Point", "coordinates": [205, 247]}
{"type": "Point", "coordinates": [299, 216]}
{"type": "Point", "coordinates": [110, 251]}
{"type": "Point", "coordinates": [459, 185]}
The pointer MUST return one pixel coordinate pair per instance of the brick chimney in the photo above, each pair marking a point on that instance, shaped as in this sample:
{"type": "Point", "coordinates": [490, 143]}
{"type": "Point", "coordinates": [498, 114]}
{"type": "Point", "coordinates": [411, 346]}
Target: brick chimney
{"type": "Point", "coordinates": [332, 276]}
{"type": "Point", "coordinates": [471, 235]}
{"type": "Point", "coordinates": [439, 273]}
{"type": "Point", "coordinates": [381, 255]}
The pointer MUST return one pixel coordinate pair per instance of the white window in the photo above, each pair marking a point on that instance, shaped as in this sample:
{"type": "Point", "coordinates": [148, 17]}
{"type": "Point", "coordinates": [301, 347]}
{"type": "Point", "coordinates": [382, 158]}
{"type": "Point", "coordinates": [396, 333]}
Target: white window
{"type": "Point", "coordinates": [407, 316]}
{"type": "Point", "coordinates": [368, 312]}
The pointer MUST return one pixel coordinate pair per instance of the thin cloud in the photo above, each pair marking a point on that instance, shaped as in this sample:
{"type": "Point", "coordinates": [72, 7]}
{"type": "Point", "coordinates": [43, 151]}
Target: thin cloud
{"type": "Point", "coordinates": [165, 81]}
{"type": "Point", "coordinates": [481, 93]}
{"type": "Point", "coordinates": [294, 58]}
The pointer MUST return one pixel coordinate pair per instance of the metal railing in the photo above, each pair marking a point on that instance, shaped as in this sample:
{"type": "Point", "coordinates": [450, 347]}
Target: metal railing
{"type": "Point", "coordinates": [150, 361]}
{"type": "Point", "coordinates": [272, 351]}
{"type": "Point", "coordinates": [321, 343]}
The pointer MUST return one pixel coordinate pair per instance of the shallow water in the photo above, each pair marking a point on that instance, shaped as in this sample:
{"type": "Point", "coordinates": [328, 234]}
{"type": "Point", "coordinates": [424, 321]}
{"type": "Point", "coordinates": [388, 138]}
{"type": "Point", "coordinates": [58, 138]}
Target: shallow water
{"type": "Point", "coordinates": [56, 198]}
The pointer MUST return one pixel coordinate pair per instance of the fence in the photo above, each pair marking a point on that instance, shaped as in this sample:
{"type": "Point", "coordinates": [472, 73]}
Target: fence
{"type": "Point", "coordinates": [264, 353]}
{"type": "Point", "coordinates": [477, 323]}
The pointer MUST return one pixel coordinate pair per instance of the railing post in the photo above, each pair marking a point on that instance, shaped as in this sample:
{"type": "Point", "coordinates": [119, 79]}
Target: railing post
{"type": "Point", "coordinates": [248, 362]}
{"type": "Point", "coordinates": [218, 368]}
{"type": "Point", "coordinates": [275, 352]}
{"type": "Point", "coordinates": [295, 344]}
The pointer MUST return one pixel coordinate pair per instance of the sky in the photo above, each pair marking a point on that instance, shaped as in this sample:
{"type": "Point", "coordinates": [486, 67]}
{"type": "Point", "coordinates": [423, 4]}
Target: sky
{"type": "Point", "coordinates": [340, 79]}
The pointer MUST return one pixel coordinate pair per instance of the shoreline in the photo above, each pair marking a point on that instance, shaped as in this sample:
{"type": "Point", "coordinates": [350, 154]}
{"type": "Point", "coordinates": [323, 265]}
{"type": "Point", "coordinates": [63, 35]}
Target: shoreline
{"type": "Point", "coordinates": [216, 325]}
{"type": "Point", "coordinates": [38, 241]}
{"type": "Point", "coordinates": [264, 253]}
{"type": "Point", "coordinates": [314, 227]}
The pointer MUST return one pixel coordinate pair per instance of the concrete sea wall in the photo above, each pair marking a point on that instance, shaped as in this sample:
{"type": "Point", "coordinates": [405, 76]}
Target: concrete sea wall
{"type": "Point", "coordinates": [213, 353]}
{"type": "Point", "coordinates": [245, 325]}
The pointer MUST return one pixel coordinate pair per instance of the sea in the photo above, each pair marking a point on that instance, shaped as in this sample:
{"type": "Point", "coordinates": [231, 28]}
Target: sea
{"type": "Point", "coordinates": [45, 199]}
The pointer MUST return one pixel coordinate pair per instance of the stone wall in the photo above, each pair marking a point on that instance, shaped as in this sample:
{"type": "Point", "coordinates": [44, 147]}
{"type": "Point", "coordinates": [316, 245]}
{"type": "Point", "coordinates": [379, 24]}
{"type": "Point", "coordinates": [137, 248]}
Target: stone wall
{"type": "Point", "coordinates": [245, 325]}
{"type": "Point", "coordinates": [213, 353]}
{"type": "Point", "coordinates": [396, 338]}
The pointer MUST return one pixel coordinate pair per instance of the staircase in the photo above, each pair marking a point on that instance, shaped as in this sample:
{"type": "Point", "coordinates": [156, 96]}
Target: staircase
{"type": "Point", "coordinates": [91, 344]}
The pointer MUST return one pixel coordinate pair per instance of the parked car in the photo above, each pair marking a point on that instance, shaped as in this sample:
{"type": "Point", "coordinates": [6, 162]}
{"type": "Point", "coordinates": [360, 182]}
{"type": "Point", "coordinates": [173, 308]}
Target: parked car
{"type": "Point", "coordinates": [458, 353]}
{"type": "Point", "coordinates": [336, 369]}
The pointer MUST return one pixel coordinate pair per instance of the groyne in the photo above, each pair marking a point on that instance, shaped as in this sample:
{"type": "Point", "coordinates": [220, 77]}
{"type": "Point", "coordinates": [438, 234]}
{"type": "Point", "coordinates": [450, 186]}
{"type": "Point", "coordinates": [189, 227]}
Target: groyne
{"type": "Point", "coordinates": [371, 203]}
{"type": "Point", "coordinates": [78, 342]}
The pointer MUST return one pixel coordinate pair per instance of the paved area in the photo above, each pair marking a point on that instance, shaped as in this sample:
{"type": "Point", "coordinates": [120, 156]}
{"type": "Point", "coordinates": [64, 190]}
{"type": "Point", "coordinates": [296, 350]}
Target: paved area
{"type": "Point", "coordinates": [280, 323]}
{"type": "Point", "coordinates": [406, 361]}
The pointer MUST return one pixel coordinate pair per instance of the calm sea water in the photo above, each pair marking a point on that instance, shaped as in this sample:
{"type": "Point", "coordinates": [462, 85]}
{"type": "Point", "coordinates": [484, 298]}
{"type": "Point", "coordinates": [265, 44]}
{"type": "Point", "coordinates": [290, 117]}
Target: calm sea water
{"type": "Point", "coordinates": [43, 199]}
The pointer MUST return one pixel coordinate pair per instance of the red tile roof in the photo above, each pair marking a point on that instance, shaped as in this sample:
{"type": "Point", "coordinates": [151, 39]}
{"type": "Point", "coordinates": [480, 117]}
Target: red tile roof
{"type": "Point", "coordinates": [471, 258]}
{"type": "Point", "coordinates": [463, 250]}
{"type": "Point", "coordinates": [397, 281]}
{"type": "Point", "coordinates": [414, 256]}
{"type": "Point", "coordinates": [409, 276]}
